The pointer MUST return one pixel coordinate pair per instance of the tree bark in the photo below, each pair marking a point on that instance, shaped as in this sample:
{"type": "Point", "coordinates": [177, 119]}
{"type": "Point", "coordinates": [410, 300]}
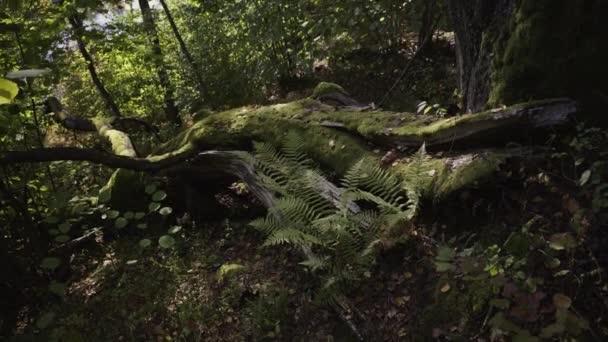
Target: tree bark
{"type": "Point", "coordinates": [171, 109]}
{"type": "Point", "coordinates": [470, 19]}
{"type": "Point", "coordinates": [185, 51]}
{"type": "Point", "coordinates": [105, 95]}
{"type": "Point", "coordinates": [511, 51]}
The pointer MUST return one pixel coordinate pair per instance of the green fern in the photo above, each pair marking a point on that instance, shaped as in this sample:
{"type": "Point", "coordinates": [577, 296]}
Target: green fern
{"type": "Point", "coordinates": [340, 241]}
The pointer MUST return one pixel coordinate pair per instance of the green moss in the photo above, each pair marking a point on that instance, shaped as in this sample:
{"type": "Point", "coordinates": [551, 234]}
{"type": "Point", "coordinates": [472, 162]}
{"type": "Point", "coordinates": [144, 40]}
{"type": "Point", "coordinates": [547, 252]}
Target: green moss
{"type": "Point", "coordinates": [550, 48]}
{"type": "Point", "coordinates": [125, 190]}
{"type": "Point", "coordinates": [480, 168]}
{"type": "Point", "coordinates": [325, 88]}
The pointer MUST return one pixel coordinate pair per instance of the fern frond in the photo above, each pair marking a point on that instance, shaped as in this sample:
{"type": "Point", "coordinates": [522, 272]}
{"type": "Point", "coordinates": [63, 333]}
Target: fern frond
{"type": "Point", "coordinates": [296, 210]}
{"type": "Point", "coordinates": [293, 237]}
{"type": "Point", "coordinates": [417, 174]}
{"type": "Point", "coordinates": [315, 263]}
{"type": "Point", "coordinates": [293, 149]}
{"type": "Point", "coordinates": [267, 225]}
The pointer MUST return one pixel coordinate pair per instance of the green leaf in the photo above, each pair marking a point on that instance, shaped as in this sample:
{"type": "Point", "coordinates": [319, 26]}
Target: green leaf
{"type": "Point", "coordinates": [154, 206]}
{"type": "Point", "coordinates": [112, 214]}
{"type": "Point", "coordinates": [50, 263]}
{"type": "Point", "coordinates": [445, 253]}
{"type": "Point", "coordinates": [62, 238]}
{"type": "Point", "coordinates": [64, 227]}
{"type": "Point", "coordinates": [139, 215]}
{"type": "Point", "coordinates": [165, 211]}
{"type": "Point", "coordinates": [562, 241]}
{"type": "Point", "coordinates": [143, 243]}
{"type": "Point", "coordinates": [104, 196]}
{"type": "Point", "coordinates": [585, 177]}
{"type": "Point", "coordinates": [121, 222]}
{"type": "Point", "coordinates": [166, 241]}
{"type": "Point", "coordinates": [129, 215]}
{"type": "Point", "coordinates": [159, 196]}
{"type": "Point", "coordinates": [52, 219]}
{"type": "Point", "coordinates": [150, 189]}
{"type": "Point", "coordinates": [57, 288]}
{"type": "Point", "coordinates": [444, 266]}
{"type": "Point", "coordinates": [45, 320]}
{"type": "Point", "coordinates": [227, 270]}
{"type": "Point", "coordinates": [8, 91]}
{"type": "Point", "coordinates": [142, 226]}
{"type": "Point", "coordinates": [175, 229]}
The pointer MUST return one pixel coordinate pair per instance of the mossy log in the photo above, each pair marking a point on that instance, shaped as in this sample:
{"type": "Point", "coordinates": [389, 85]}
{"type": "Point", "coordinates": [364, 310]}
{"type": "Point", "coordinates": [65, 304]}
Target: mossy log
{"type": "Point", "coordinates": [338, 137]}
{"type": "Point", "coordinates": [335, 136]}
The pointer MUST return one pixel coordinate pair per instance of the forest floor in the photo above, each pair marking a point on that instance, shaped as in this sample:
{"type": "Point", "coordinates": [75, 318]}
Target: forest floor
{"type": "Point", "coordinates": [219, 284]}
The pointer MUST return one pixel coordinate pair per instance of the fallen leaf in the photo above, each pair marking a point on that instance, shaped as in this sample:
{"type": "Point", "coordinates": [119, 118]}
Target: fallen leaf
{"type": "Point", "coordinates": [562, 301]}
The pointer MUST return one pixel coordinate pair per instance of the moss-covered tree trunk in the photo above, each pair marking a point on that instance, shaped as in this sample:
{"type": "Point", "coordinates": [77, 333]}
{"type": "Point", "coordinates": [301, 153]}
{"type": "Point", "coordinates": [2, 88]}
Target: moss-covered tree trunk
{"type": "Point", "coordinates": [512, 51]}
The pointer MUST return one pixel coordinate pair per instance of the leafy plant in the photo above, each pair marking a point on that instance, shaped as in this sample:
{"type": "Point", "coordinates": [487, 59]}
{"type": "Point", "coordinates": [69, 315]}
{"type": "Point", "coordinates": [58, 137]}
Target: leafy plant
{"type": "Point", "coordinates": [341, 235]}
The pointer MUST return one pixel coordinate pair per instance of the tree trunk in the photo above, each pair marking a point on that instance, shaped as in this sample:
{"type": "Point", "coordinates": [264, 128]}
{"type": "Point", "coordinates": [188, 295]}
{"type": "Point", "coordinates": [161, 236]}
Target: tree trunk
{"type": "Point", "coordinates": [427, 26]}
{"type": "Point", "coordinates": [185, 51]}
{"type": "Point", "coordinates": [171, 109]}
{"type": "Point", "coordinates": [105, 95]}
{"type": "Point", "coordinates": [511, 51]}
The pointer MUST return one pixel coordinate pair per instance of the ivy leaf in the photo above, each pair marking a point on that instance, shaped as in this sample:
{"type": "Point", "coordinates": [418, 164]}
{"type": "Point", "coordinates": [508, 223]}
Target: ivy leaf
{"type": "Point", "coordinates": [166, 241]}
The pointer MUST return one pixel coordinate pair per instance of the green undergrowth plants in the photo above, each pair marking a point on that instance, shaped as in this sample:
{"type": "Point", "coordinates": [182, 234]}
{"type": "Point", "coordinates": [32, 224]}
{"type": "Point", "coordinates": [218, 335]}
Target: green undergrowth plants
{"type": "Point", "coordinates": [339, 230]}
{"type": "Point", "coordinates": [528, 274]}
{"type": "Point", "coordinates": [266, 314]}
{"type": "Point", "coordinates": [71, 220]}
